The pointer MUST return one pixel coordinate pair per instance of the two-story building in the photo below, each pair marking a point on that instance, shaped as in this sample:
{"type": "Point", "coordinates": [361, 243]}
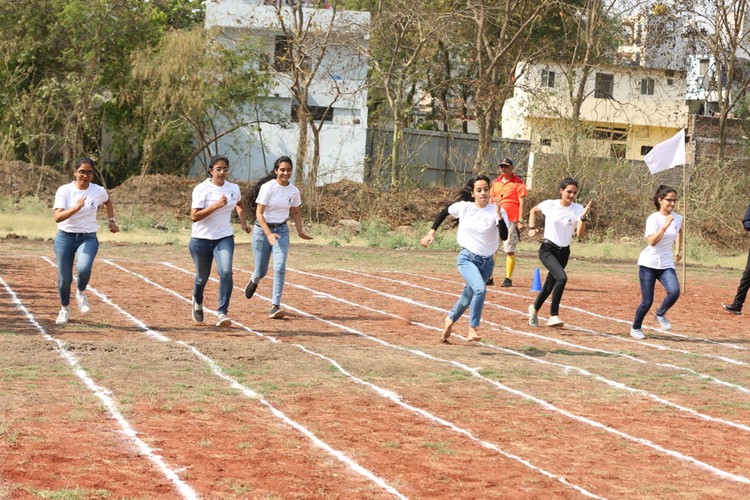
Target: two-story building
{"type": "Point", "coordinates": [630, 104]}
{"type": "Point", "coordinates": [338, 94]}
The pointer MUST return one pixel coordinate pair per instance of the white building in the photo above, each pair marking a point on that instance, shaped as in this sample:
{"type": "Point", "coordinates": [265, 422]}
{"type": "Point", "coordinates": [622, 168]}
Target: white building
{"type": "Point", "coordinates": [339, 83]}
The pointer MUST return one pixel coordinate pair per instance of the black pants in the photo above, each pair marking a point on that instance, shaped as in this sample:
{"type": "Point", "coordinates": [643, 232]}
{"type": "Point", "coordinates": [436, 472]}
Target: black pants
{"type": "Point", "coordinates": [554, 258]}
{"type": "Point", "coordinates": [739, 299]}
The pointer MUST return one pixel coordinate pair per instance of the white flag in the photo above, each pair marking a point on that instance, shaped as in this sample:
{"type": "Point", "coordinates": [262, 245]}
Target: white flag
{"type": "Point", "coordinates": [667, 154]}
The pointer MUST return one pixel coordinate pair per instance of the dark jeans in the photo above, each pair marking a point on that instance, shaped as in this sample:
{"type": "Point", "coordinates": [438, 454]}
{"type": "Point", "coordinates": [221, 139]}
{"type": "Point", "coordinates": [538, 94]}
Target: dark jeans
{"type": "Point", "coordinates": [204, 252]}
{"type": "Point", "coordinates": [81, 247]}
{"type": "Point", "coordinates": [739, 299]}
{"type": "Point", "coordinates": [648, 276]}
{"type": "Point", "coordinates": [554, 258]}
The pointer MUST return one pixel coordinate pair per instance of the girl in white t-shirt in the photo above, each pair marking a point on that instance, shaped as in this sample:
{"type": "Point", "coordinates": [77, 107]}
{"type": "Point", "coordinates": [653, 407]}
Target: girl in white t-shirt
{"type": "Point", "coordinates": [656, 262]}
{"type": "Point", "coordinates": [212, 235]}
{"type": "Point", "coordinates": [478, 222]}
{"type": "Point", "coordinates": [562, 218]}
{"type": "Point", "coordinates": [274, 198]}
{"type": "Point", "coordinates": [76, 205]}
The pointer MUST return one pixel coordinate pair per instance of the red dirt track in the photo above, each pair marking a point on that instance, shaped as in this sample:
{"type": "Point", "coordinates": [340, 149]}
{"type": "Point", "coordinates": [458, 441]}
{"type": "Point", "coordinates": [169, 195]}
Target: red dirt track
{"type": "Point", "coordinates": [353, 396]}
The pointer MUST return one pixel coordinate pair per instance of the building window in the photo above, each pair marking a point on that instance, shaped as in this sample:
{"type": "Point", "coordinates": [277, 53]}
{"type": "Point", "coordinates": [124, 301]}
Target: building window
{"type": "Point", "coordinates": [610, 134]}
{"type": "Point", "coordinates": [646, 150]}
{"type": "Point", "coordinates": [317, 113]}
{"type": "Point", "coordinates": [605, 84]}
{"type": "Point", "coordinates": [548, 78]}
{"type": "Point", "coordinates": [647, 86]}
{"type": "Point", "coordinates": [545, 142]}
{"type": "Point", "coordinates": [282, 54]}
{"type": "Point", "coordinates": [617, 150]}
{"type": "Point", "coordinates": [670, 81]}
{"type": "Point", "coordinates": [703, 67]}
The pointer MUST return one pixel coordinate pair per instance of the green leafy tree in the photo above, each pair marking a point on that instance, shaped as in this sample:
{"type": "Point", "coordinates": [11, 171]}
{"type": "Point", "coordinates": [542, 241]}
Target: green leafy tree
{"type": "Point", "coordinates": [194, 81]}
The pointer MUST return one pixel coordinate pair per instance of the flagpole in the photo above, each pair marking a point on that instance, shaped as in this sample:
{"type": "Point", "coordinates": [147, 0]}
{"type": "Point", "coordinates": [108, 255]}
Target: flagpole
{"type": "Point", "coordinates": [684, 226]}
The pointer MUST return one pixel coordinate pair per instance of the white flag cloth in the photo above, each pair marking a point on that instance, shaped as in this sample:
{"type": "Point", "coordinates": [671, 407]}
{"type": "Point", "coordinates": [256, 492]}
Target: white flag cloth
{"type": "Point", "coordinates": [667, 154]}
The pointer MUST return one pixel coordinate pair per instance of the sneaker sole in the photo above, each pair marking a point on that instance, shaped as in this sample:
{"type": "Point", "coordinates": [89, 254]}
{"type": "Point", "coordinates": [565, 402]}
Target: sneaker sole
{"type": "Point", "coordinates": [197, 318]}
{"type": "Point", "coordinates": [532, 322]}
{"type": "Point", "coordinates": [556, 325]}
{"type": "Point", "coordinates": [248, 292]}
{"type": "Point", "coordinates": [224, 322]}
{"type": "Point", "coordinates": [277, 315]}
{"type": "Point", "coordinates": [638, 337]}
{"type": "Point", "coordinates": [731, 311]}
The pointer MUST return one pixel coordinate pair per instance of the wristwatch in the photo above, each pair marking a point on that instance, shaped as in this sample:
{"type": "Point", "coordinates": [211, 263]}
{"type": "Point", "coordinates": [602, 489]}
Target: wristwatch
{"type": "Point", "coordinates": [584, 218]}
{"type": "Point", "coordinates": [522, 221]}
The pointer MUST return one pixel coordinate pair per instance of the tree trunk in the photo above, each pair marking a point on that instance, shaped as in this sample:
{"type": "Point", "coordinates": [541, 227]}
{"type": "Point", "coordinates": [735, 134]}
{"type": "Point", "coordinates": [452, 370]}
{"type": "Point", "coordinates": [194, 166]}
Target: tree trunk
{"type": "Point", "coordinates": [299, 172]}
{"type": "Point", "coordinates": [398, 137]}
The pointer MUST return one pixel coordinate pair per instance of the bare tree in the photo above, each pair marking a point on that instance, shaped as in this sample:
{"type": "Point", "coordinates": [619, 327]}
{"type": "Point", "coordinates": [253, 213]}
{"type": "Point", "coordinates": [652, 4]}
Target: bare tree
{"type": "Point", "coordinates": [501, 33]}
{"type": "Point", "coordinates": [405, 38]}
{"type": "Point", "coordinates": [722, 26]}
{"type": "Point", "coordinates": [317, 56]}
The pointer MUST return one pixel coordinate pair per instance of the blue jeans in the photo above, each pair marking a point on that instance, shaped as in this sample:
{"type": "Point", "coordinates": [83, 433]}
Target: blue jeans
{"type": "Point", "coordinates": [262, 251]}
{"type": "Point", "coordinates": [476, 270]}
{"type": "Point", "coordinates": [68, 246]}
{"type": "Point", "coordinates": [648, 277]}
{"type": "Point", "coordinates": [555, 259]}
{"type": "Point", "coordinates": [204, 252]}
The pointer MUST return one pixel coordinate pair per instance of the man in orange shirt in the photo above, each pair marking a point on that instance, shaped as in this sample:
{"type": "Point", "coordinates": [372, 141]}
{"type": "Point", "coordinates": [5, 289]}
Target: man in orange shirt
{"type": "Point", "coordinates": [511, 192]}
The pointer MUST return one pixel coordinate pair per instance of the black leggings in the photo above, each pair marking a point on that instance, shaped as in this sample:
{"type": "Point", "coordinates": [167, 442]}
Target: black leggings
{"type": "Point", "coordinates": [554, 258]}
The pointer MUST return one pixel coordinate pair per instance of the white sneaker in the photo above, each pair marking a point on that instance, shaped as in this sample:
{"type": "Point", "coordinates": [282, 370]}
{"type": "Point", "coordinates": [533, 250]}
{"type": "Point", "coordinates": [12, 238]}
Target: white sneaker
{"type": "Point", "coordinates": [636, 333]}
{"type": "Point", "coordinates": [197, 312]}
{"type": "Point", "coordinates": [277, 312]}
{"type": "Point", "coordinates": [223, 320]}
{"type": "Point", "coordinates": [82, 301]}
{"type": "Point", "coordinates": [63, 316]}
{"type": "Point", "coordinates": [664, 322]}
{"type": "Point", "coordinates": [533, 320]}
{"type": "Point", "coordinates": [555, 322]}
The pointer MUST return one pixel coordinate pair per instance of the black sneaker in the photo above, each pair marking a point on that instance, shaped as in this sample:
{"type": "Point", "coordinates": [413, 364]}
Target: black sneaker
{"type": "Point", "coordinates": [277, 312]}
{"type": "Point", "coordinates": [507, 282]}
{"type": "Point", "coordinates": [732, 309]}
{"type": "Point", "coordinates": [197, 312]}
{"type": "Point", "coordinates": [250, 289]}
{"type": "Point", "coordinates": [490, 282]}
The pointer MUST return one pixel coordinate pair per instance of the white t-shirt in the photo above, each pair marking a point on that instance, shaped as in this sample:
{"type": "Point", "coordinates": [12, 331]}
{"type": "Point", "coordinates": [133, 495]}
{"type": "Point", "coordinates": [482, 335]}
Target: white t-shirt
{"type": "Point", "coordinates": [278, 200]}
{"type": "Point", "coordinates": [83, 221]}
{"type": "Point", "coordinates": [560, 221]}
{"type": "Point", "coordinates": [660, 256]}
{"type": "Point", "coordinates": [477, 227]}
{"type": "Point", "coordinates": [217, 225]}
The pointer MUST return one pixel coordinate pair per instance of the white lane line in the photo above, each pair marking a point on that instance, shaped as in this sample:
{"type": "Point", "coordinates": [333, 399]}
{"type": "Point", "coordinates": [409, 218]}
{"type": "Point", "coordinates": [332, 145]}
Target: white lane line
{"type": "Point", "coordinates": [565, 368]}
{"type": "Point", "coordinates": [533, 335]}
{"type": "Point", "coordinates": [392, 396]}
{"type": "Point", "coordinates": [618, 338]}
{"type": "Point", "coordinates": [591, 313]}
{"type": "Point", "coordinates": [544, 404]}
{"type": "Point", "coordinates": [104, 396]}
{"type": "Point", "coordinates": [247, 392]}
{"type": "Point", "coordinates": [587, 421]}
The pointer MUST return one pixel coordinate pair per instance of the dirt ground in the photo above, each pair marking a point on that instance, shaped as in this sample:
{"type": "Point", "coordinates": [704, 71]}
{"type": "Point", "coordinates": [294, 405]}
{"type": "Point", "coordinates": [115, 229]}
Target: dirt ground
{"type": "Point", "coordinates": [353, 396]}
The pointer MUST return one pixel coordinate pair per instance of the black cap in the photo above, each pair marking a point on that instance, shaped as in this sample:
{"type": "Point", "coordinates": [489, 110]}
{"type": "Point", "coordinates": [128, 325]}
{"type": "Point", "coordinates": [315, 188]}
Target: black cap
{"type": "Point", "coordinates": [507, 161]}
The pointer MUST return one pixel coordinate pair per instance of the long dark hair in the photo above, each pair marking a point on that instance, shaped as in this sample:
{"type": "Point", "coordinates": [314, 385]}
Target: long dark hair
{"type": "Point", "coordinates": [662, 191]}
{"type": "Point", "coordinates": [252, 203]}
{"type": "Point", "coordinates": [465, 193]}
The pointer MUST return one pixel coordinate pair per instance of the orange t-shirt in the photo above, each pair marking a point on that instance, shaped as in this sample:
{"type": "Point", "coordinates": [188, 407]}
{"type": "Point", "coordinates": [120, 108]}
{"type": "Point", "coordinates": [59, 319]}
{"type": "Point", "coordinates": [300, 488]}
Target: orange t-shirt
{"type": "Point", "coordinates": [509, 193]}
